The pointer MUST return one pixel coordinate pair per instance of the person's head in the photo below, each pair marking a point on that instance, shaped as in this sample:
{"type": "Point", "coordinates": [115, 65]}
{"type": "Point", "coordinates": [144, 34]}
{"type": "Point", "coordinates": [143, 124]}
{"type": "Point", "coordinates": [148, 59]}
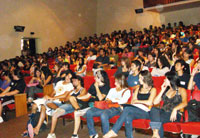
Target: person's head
{"type": "Point", "coordinates": [125, 62]}
{"type": "Point", "coordinates": [179, 65]}
{"type": "Point", "coordinates": [101, 77]}
{"type": "Point", "coordinates": [37, 72]}
{"type": "Point", "coordinates": [135, 65]}
{"type": "Point", "coordinates": [163, 62]}
{"type": "Point", "coordinates": [66, 65]}
{"type": "Point", "coordinates": [187, 54]}
{"type": "Point", "coordinates": [102, 52]}
{"type": "Point", "coordinates": [17, 75]}
{"type": "Point", "coordinates": [114, 51]}
{"type": "Point", "coordinates": [157, 52]}
{"type": "Point", "coordinates": [68, 76]}
{"type": "Point", "coordinates": [150, 57]}
{"type": "Point", "coordinates": [145, 78]}
{"type": "Point", "coordinates": [172, 80]}
{"type": "Point", "coordinates": [81, 61]}
{"type": "Point", "coordinates": [77, 81]}
{"type": "Point", "coordinates": [141, 52]}
{"type": "Point", "coordinates": [120, 81]}
{"type": "Point", "coordinates": [57, 67]}
{"type": "Point", "coordinates": [6, 75]}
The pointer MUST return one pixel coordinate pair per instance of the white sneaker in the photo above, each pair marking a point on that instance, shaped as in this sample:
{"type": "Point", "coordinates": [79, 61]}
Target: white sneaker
{"type": "Point", "coordinates": [51, 135]}
{"type": "Point", "coordinates": [75, 136]}
{"type": "Point", "coordinates": [95, 136]}
{"type": "Point", "coordinates": [1, 119]}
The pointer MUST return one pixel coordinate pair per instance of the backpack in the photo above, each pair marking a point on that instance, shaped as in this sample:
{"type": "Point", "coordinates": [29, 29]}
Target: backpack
{"type": "Point", "coordinates": [193, 108]}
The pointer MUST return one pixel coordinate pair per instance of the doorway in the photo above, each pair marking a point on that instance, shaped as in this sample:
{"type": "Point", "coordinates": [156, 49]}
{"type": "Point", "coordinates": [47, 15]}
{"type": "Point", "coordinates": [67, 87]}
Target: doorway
{"type": "Point", "coordinates": [28, 46]}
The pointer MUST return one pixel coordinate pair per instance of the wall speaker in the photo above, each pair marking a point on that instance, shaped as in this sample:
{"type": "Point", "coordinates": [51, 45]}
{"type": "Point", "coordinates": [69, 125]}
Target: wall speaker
{"type": "Point", "coordinates": [138, 11]}
{"type": "Point", "coordinates": [19, 28]}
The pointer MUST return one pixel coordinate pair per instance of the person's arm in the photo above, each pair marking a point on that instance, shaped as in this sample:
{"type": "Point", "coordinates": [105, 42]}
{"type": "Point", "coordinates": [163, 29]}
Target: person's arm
{"type": "Point", "coordinates": [134, 98]}
{"type": "Point", "coordinates": [9, 93]}
{"type": "Point", "coordinates": [191, 81]}
{"type": "Point", "coordinates": [99, 94]}
{"type": "Point", "coordinates": [159, 72]}
{"type": "Point", "coordinates": [83, 70]}
{"type": "Point", "coordinates": [148, 102]}
{"type": "Point", "coordinates": [6, 90]}
{"type": "Point", "coordinates": [59, 72]}
{"type": "Point", "coordinates": [182, 105]}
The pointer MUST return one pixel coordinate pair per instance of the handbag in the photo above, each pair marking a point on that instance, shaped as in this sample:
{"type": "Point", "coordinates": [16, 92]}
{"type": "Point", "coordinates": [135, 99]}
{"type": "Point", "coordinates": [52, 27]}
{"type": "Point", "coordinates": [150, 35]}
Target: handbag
{"type": "Point", "coordinates": [107, 104]}
{"type": "Point", "coordinates": [101, 105]}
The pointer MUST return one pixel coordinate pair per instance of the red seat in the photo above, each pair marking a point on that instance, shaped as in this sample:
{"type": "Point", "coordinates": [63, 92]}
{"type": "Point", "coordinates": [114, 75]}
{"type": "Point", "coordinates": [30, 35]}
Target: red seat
{"type": "Point", "coordinates": [112, 82]}
{"type": "Point", "coordinates": [90, 65]}
{"type": "Point", "coordinates": [27, 79]}
{"type": "Point", "coordinates": [39, 95]}
{"type": "Point", "coordinates": [141, 123]}
{"type": "Point", "coordinates": [72, 67]}
{"type": "Point", "coordinates": [88, 81]}
{"type": "Point", "coordinates": [158, 81]}
{"type": "Point", "coordinates": [111, 72]}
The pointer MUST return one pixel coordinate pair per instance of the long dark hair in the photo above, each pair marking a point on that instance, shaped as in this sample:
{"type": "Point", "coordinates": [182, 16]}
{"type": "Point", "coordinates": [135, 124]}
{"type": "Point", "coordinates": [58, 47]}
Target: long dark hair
{"type": "Point", "coordinates": [81, 65]}
{"type": "Point", "coordinates": [174, 80]}
{"type": "Point", "coordinates": [103, 77]}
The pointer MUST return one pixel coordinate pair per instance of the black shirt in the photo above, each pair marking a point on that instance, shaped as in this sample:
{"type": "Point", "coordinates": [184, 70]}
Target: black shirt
{"type": "Point", "coordinates": [184, 80]}
{"type": "Point", "coordinates": [103, 60]}
{"type": "Point", "coordinates": [18, 85]}
{"type": "Point", "coordinates": [92, 90]}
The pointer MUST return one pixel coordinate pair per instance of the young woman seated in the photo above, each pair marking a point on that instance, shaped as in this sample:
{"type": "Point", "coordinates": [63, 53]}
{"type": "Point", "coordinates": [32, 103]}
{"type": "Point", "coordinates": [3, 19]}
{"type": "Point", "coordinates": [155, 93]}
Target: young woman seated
{"type": "Point", "coordinates": [139, 108]}
{"type": "Point", "coordinates": [120, 95]}
{"type": "Point", "coordinates": [174, 98]}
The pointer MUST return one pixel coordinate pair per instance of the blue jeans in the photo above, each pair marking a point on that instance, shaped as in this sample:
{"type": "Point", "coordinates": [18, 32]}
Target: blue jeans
{"type": "Point", "coordinates": [158, 117]}
{"type": "Point", "coordinates": [105, 115]}
{"type": "Point", "coordinates": [129, 114]}
{"type": "Point", "coordinates": [67, 107]}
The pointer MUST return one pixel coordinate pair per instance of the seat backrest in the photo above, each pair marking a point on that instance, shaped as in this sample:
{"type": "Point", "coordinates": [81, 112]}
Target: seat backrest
{"type": "Point", "coordinates": [90, 65]}
{"type": "Point", "coordinates": [196, 95]}
{"type": "Point", "coordinates": [72, 67]}
{"type": "Point", "coordinates": [158, 81]}
{"type": "Point", "coordinates": [88, 81]}
{"type": "Point", "coordinates": [27, 79]}
{"type": "Point", "coordinates": [48, 89]}
{"type": "Point", "coordinates": [111, 72]}
{"type": "Point", "coordinates": [112, 82]}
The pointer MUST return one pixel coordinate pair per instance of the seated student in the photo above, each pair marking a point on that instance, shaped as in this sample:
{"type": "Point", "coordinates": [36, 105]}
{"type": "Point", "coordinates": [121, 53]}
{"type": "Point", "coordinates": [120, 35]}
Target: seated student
{"type": "Point", "coordinates": [46, 104]}
{"type": "Point", "coordinates": [120, 94]}
{"type": "Point", "coordinates": [97, 92]}
{"type": "Point", "coordinates": [101, 60]}
{"type": "Point", "coordinates": [81, 67]}
{"type": "Point", "coordinates": [16, 86]}
{"type": "Point", "coordinates": [133, 77]}
{"type": "Point", "coordinates": [92, 55]}
{"type": "Point", "coordinates": [138, 109]}
{"type": "Point", "coordinates": [43, 78]}
{"type": "Point", "coordinates": [187, 56]}
{"type": "Point", "coordinates": [61, 73]}
{"type": "Point", "coordinates": [6, 80]}
{"type": "Point", "coordinates": [124, 67]}
{"type": "Point", "coordinates": [113, 57]}
{"type": "Point", "coordinates": [163, 66]}
{"type": "Point", "coordinates": [67, 108]}
{"type": "Point", "coordinates": [183, 77]}
{"type": "Point", "coordinates": [150, 62]}
{"type": "Point", "coordinates": [174, 98]}
{"type": "Point", "coordinates": [195, 77]}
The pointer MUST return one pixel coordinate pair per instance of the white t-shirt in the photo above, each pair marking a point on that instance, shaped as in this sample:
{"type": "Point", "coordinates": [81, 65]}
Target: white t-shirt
{"type": "Point", "coordinates": [117, 97]}
{"type": "Point", "coordinates": [61, 88]}
{"type": "Point", "coordinates": [92, 58]}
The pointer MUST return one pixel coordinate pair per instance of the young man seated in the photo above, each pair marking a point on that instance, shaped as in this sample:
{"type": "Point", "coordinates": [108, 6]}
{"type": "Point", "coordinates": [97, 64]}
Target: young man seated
{"type": "Point", "coordinates": [49, 104]}
{"type": "Point", "coordinates": [67, 108]}
{"type": "Point", "coordinates": [16, 86]}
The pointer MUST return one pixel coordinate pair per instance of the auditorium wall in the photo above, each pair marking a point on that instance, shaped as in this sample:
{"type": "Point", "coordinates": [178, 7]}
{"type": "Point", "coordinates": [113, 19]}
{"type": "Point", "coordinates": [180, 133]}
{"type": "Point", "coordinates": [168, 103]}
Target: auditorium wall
{"type": "Point", "coordinates": [53, 21]}
{"type": "Point", "coordinates": [120, 14]}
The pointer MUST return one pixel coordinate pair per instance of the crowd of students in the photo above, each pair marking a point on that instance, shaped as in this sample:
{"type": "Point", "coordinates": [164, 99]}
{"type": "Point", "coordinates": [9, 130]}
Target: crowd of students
{"type": "Point", "coordinates": [137, 55]}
